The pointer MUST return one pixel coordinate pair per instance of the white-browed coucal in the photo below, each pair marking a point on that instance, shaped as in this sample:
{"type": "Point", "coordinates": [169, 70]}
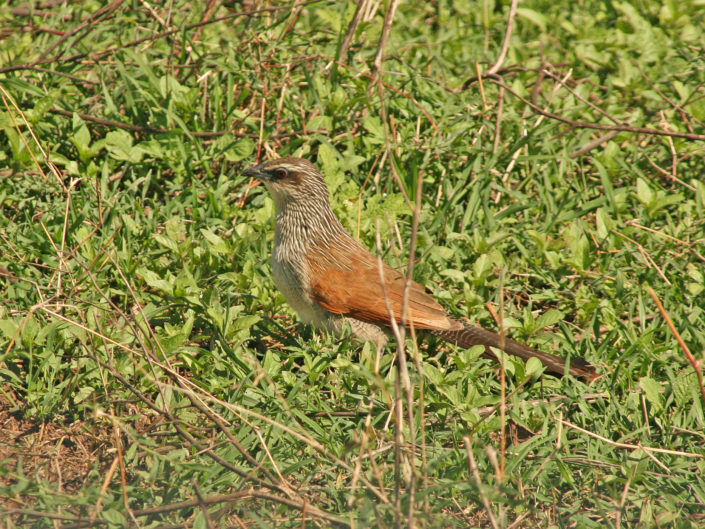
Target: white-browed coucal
{"type": "Point", "coordinates": [331, 280]}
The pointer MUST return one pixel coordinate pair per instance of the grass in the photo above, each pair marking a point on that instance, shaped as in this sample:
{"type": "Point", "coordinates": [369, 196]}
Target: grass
{"type": "Point", "coordinates": [151, 374]}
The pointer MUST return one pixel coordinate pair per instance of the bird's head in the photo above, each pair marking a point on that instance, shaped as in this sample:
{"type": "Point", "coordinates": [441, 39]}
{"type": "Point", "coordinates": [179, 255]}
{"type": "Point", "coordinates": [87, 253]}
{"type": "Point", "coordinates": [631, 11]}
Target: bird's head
{"type": "Point", "coordinates": [291, 181]}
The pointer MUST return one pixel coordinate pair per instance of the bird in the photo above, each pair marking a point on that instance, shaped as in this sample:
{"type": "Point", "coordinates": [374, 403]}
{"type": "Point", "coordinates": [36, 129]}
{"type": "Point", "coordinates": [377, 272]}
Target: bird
{"type": "Point", "coordinates": [332, 281]}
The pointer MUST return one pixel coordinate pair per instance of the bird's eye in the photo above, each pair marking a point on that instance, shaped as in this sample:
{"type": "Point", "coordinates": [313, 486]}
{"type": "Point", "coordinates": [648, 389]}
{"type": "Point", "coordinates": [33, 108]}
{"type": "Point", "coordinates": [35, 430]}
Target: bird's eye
{"type": "Point", "coordinates": [281, 173]}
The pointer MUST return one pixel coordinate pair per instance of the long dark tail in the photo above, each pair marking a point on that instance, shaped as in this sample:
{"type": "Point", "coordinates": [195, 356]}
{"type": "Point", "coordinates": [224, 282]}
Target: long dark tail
{"type": "Point", "coordinates": [471, 335]}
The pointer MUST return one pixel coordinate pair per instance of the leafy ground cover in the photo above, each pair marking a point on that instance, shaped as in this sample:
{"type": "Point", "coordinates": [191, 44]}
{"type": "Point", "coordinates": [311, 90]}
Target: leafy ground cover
{"type": "Point", "coordinates": [151, 374]}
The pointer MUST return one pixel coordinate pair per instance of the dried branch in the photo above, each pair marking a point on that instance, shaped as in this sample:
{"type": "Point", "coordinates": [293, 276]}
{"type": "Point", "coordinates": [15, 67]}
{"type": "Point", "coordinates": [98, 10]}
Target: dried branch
{"type": "Point", "coordinates": [132, 44]}
{"type": "Point", "coordinates": [693, 362]}
{"type": "Point", "coordinates": [507, 37]}
{"type": "Point", "coordinates": [598, 126]}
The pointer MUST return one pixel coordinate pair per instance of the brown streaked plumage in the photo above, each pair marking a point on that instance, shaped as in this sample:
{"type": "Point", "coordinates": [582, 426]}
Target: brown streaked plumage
{"type": "Point", "coordinates": [330, 279]}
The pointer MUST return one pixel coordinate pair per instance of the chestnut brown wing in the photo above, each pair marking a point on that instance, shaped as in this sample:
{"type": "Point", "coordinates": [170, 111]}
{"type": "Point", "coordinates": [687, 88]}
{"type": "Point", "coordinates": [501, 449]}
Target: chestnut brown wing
{"type": "Point", "coordinates": [350, 285]}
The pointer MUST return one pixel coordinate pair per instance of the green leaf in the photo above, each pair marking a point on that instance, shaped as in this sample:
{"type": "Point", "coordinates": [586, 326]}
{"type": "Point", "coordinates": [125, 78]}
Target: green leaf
{"type": "Point", "coordinates": [8, 328]}
{"type": "Point", "coordinates": [119, 145]}
{"type": "Point", "coordinates": [373, 125]}
{"type": "Point", "coordinates": [217, 245]}
{"type": "Point", "coordinates": [241, 149]}
{"type": "Point", "coordinates": [320, 122]}
{"type": "Point", "coordinates": [549, 318]}
{"type": "Point", "coordinates": [82, 394]}
{"type": "Point", "coordinates": [685, 388]}
{"type": "Point", "coordinates": [29, 331]}
{"type": "Point", "coordinates": [533, 367]}
{"type": "Point", "coordinates": [644, 192]}
{"type": "Point", "coordinates": [154, 281]}
{"type": "Point", "coordinates": [533, 16]}
{"type": "Point", "coordinates": [70, 165]}
{"type": "Point", "coordinates": [166, 242]}
{"type": "Point", "coordinates": [245, 322]}
{"type": "Point", "coordinates": [43, 106]}
{"type": "Point", "coordinates": [432, 373]}
{"type": "Point", "coordinates": [82, 140]}
{"type": "Point", "coordinates": [454, 274]}
{"type": "Point", "coordinates": [114, 516]}
{"type": "Point", "coordinates": [652, 392]}
{"type": "Point", "coordinates": [604, 223]}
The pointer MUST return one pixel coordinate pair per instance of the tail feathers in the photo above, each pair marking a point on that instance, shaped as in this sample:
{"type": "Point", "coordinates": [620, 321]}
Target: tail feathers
{"type": "Point", "coordinates": [472, 335]}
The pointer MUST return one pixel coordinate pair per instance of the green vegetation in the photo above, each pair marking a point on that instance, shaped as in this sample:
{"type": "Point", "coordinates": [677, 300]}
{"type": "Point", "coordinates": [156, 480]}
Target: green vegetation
{"type": "Point", "coordinates": [147, 361]}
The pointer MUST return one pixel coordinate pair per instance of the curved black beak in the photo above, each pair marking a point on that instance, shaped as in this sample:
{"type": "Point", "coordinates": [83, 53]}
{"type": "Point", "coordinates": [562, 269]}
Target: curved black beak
{"type": "Point", "coordinates": [257, 171]}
